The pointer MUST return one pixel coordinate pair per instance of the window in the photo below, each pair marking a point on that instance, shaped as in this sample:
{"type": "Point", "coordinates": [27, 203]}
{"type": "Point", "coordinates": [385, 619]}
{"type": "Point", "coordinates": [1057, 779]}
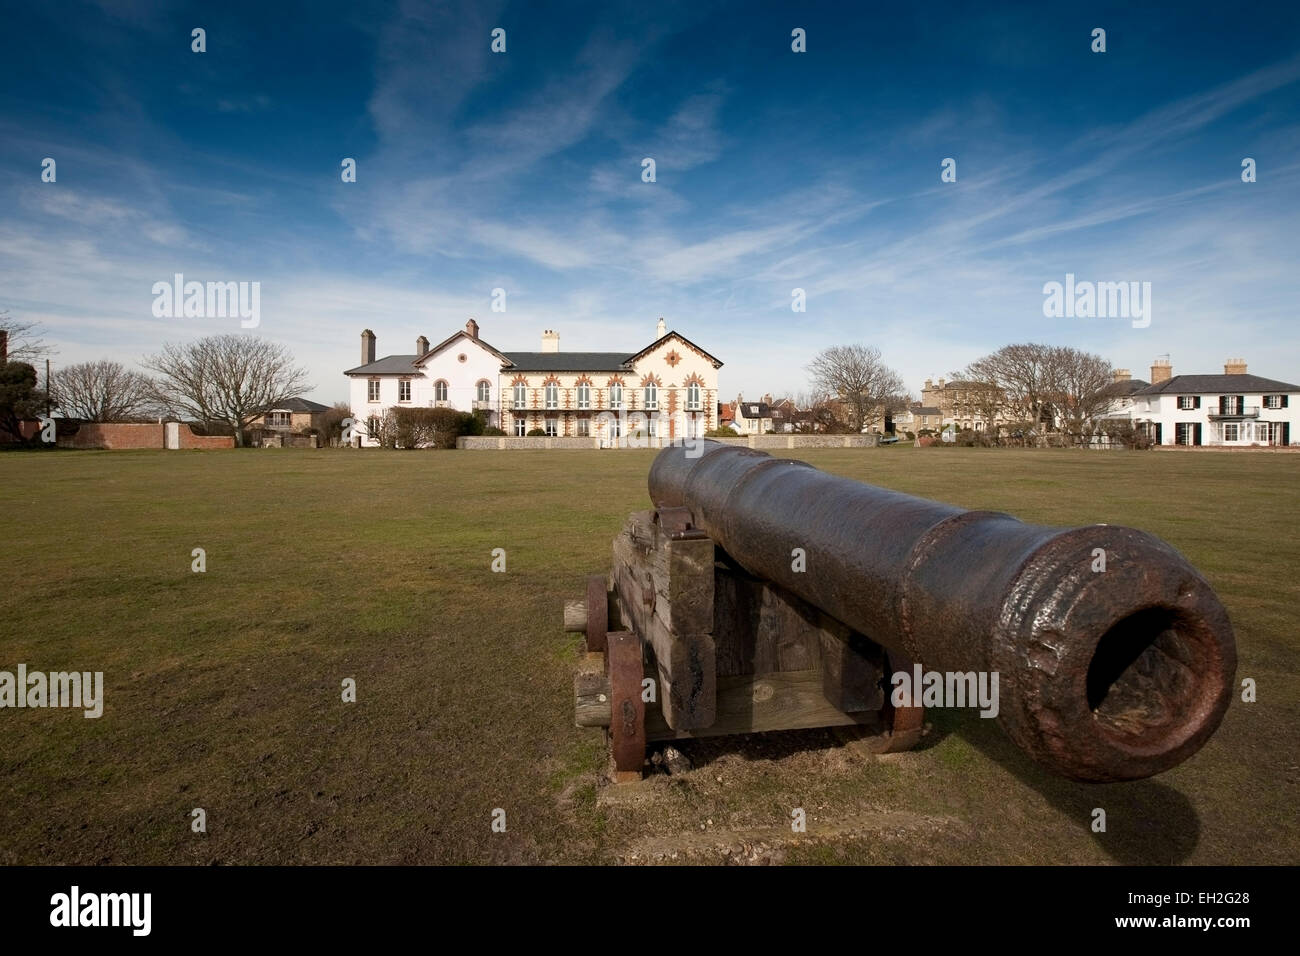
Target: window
{"type": "Point", "coordinates": [372, 427]}
{"type": "Point", "coordinates": [521, 395]}
{"type": "Point", "coordinates": [440, 391]}
{"type": "Point", "coordinates": [372, 390]}
{"type": "Point", "coordinates": [404, 390]}
{"type": "Point", "coordinates": [616, 396]}
{"type": "Point", "coordinates": [1275, 401]}
{"type": "Point", "coordinates": [1229, 404]}
{"type": "Point", "coordinates": [521, 426]}
{"type": "Point", "coordinates": [693, 397]}
{"type": "Point", "coordinates": [1185, 433]}
{"type": "Point", "coordinates": [279, 419]}
{"type": "Point", "coordinates": [484, 391]}
{"type": "Point", "coordinates": [552, 396]}
{"type": "Point", "coordinates": [1186, 402]}
{"type": "Point", "coordinates": [584, 427]}
{"type": "Point", "coordinates": [1231, 431]}
{"type": "Point", "coordinates": [584, 396]}
{"type": "Point", "coordinates": [651, 396]}
{"type": "Point", "coordinates": [552, 427]}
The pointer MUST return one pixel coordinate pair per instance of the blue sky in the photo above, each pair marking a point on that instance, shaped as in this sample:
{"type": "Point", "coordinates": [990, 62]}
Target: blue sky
{"type": "Point", "coordinates": [775, 171]}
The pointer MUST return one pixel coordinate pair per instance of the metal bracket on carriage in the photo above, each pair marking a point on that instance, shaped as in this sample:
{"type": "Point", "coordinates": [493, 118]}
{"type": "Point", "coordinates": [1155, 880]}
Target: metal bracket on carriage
{"type": "Point", "coordinates": [678, 524]}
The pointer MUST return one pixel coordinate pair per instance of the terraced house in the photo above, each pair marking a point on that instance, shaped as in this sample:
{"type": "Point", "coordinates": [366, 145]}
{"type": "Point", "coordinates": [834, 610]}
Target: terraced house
{"type": "Point", "coordinates": [667, 390]}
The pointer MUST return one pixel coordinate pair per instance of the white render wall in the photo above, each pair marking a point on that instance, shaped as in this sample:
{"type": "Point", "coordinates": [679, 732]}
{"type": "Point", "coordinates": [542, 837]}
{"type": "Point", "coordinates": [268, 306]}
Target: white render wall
{"type": "Point", "coordinates": [462, 379]}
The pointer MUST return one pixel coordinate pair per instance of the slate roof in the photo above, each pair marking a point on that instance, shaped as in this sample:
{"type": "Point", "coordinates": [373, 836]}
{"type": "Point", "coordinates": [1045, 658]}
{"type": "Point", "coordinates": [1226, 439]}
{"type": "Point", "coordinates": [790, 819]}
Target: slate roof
{"type": "Point", "coordinates": [567, 361]}
{"type": "Point", "coordinates": [1128, 386]}
{"type": "Point", "coordinates": [300, 405]}
{"type": "Point", "coordinates": [388, 365]}
{"type": "Point", "coordinates": [1217, 385]}
{"type": "Point", "coordinates": [755, 409]}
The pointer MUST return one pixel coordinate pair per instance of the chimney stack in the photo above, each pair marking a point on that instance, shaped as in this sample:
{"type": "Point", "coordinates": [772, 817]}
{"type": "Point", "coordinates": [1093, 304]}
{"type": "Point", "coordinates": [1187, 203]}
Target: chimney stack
{"type": "Point", "coordinates": [1234, 366]}
{"type": "Point", "coordinates": [1121, 375]}
{"type": "Point", "coordinates": [661, 330]}
{"type": "Point", "coordinates": [550, 341]}
{"type": "Point", "coordinates": [421, 345]}
{"type": "Point", "coordinates": [1161, 371]}
{"type": "Point", "coordinates": [367, 347]}
{"type": "Point", "coordinates": [472, 328]}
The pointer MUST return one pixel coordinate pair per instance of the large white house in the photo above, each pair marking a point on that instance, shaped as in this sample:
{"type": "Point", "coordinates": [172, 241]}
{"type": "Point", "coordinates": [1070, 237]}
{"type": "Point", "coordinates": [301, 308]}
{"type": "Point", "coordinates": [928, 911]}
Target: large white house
{"type": "Point", "coordinates": [1234, 409]}
{"type": "Point", "coordinates": [667, 390]}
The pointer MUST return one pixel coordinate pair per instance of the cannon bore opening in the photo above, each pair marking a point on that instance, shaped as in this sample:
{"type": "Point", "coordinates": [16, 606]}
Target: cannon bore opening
{"type": "Point", "coordinates": [1142, 681]}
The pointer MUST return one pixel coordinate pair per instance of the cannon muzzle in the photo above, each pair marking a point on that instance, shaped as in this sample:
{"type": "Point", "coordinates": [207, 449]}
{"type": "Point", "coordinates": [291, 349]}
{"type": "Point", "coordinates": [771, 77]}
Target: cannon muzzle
{"type": "Point", "coordinates": [1115, 659]}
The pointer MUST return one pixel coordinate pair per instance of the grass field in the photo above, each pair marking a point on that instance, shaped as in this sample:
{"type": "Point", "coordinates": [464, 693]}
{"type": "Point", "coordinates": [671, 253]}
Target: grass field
{"type": "Point", "coordinates": [223, 688]}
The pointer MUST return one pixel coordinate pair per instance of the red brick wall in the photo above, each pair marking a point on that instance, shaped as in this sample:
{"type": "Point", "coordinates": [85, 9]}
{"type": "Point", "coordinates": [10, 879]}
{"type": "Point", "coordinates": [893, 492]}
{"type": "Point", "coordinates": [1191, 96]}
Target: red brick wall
{"type": "Point", "coordinates": [114, 436]}
{"type": "Point", "coordinates": [191, 440]}
{"type": "Point", "coordinates": [119, 436]}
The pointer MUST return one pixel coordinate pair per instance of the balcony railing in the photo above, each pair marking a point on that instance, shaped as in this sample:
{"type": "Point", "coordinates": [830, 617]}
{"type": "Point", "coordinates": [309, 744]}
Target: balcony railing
{"type": "Point", "coordinates": [1238, 411]}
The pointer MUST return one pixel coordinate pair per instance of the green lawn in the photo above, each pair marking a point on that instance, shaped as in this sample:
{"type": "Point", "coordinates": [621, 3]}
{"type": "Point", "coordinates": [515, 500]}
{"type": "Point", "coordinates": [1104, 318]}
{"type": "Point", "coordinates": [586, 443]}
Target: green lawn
{"type": "Point", "coordinates": [223, 688]}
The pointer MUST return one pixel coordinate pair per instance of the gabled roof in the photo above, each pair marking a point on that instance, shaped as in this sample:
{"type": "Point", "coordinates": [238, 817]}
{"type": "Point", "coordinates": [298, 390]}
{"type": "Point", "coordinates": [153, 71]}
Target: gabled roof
{"type": "Point", "coordinates": [681, 338]}
{"type": "Point", "coordinates": [300, 405]}
{"type": "Point", "coordinates": [567, 361]}
{"type": "Point", "coordinates": [1217, 385]}
{"type": "Point", "coordinates": [388, 365]}
{"type": "Point", "coordinates": [754, 409]}
{"type": "Point", "coordinates": [462, 334]}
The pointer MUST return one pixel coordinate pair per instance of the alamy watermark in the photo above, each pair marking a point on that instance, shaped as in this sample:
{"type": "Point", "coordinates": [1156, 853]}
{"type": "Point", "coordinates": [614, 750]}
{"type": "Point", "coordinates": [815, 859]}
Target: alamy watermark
{"type": "Point", "coordinates": [208, 300]}
{"type": "Point", "coordinates": [75, 908]}
{"type": "Point", "coordinates": [946, 689]}
{"type": "Point", "coordinates": [1098, 300]}
{"type": "Point", "coordinates": [56, 689]}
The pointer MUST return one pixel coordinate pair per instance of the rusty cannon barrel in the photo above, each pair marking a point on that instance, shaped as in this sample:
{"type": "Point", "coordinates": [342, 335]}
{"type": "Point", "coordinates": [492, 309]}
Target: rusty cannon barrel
{"type": "Point", "coordinates": [1104, 675]}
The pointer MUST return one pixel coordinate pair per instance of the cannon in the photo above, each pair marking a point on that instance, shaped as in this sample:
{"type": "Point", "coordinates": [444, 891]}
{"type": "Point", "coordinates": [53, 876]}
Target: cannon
{"type": "Point", "coordinates": [764, 594]}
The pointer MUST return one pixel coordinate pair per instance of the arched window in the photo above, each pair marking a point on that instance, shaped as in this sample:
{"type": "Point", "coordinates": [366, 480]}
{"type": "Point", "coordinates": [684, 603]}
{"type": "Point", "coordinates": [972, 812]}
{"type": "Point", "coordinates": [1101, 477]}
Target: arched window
{"type": "Point", "coordinates": [693, 397]}
{"type": "Point", "coordinates": [552, 396]}
{"type": "Point", "coordinates": [484, 391]}
{"type": "Point", "coordinates": [584, 395]}
{"type": "Point", "coordinates": [651, 396]}
{"type": "Point", "coordinates": [440, 391]}
{"type": "Point", "coordinates": [521, 395]}
{"type": "Point", "coordinates": [616, 396]}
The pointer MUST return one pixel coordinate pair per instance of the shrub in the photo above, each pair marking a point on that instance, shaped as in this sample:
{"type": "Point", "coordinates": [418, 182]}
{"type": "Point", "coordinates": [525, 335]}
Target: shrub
{"type": "Point", "coordinates": [428, 427]}
{"type": "Point", "coordinates": [536, 433]}
{"type": "Point", "coordinates": [493, 431]}
{"type": "Point", "coordinates": [720, 433]}
{"type": "Point", "coordinates": [911, 436]}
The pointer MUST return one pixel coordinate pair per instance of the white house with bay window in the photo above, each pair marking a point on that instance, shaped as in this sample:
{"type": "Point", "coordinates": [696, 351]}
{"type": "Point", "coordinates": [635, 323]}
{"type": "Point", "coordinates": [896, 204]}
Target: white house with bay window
{"type": "Point", "coordinates": [1234, 409]}
{"type": "Point", "coordinates": [668, 390]}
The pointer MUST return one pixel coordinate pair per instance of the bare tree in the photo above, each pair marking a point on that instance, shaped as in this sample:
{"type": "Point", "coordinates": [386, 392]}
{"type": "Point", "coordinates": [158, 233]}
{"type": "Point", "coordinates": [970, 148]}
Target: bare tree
{"type": "Point", "coordinates": [234, 379]}
{"type": "Point", "coordinates": [102, 392]}
{"type": "Point", "coordinates": [24, 344]}
{"type": "Point", "coordinates": [1080, 384]}
{"type": "Point", "coordinates": [1023, 373]}
{"type": "Point", "coordinates": [1047, 387]}
{"type": "Point", "coordinates": [854, 374]}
